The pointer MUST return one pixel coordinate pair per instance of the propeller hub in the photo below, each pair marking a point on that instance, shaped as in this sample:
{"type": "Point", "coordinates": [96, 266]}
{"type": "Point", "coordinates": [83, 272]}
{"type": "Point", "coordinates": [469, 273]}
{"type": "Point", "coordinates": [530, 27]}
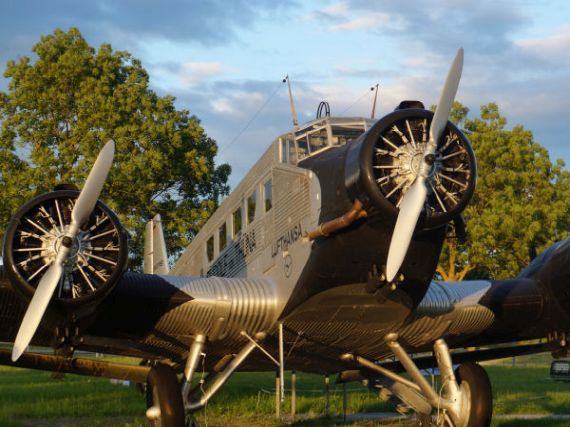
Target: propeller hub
{"type": "Point", "coordinates": [67, 241]}
{"type": "Point", "coordinates": [410, 160]}
{"type": "Point", "coordinates": [59, 240]}
{"type": "Point", "coordinates": [430, 159]}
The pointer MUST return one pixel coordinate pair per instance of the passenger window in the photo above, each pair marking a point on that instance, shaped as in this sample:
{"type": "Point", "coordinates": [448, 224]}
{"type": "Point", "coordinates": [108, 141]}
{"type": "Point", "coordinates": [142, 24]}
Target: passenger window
{"type": "Point", "coordinates": [236, 219]}
{"type": "Point", "coordinates": [284, 151]}
{"type": "Point", "coordinates": [210, 248]}
{"type": "Point", "coordinates": [222, 234]}
{"type": "Point", "coordinates": [251, 207]}
{"type": "Point", "coordinates": [292, 152]}
{"type": "Point", "coordinates": [268, 195]}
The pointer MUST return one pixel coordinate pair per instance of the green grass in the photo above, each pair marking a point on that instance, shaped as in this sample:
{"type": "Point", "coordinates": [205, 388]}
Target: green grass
{"type": "Point", "coordinates": [33, 398]}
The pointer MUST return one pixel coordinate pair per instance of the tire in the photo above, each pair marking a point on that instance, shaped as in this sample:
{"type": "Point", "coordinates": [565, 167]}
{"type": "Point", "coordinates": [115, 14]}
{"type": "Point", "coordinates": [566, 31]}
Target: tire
{"type": "Point", "coordinates": [163, 391]}
{"type": "Point", "coordinates": [476, 379]}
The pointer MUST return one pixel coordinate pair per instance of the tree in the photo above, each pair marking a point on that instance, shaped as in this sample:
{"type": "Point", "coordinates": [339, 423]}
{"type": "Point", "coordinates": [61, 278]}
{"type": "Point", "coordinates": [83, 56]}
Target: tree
{"type": "Point", "coordinates": [63, 106]}
{"type": "Point", "coordinates": [521, 202]}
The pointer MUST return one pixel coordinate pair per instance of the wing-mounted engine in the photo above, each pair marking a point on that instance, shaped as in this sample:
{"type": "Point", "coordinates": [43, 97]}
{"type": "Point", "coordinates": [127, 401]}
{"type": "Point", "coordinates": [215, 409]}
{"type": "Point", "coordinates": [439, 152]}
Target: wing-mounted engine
{"type": "Point", "coordinates": [58, 236]}
{"type": "Point", "coordinates": [97, 257]}
{"type": "Point", "coordinates": [384, 164]}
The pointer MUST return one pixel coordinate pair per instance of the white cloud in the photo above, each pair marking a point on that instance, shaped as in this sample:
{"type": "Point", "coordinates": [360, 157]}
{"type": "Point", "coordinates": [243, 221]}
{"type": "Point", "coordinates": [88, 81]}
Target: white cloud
{"type": "Point", "coordinates": [361, 23]}
{"type": "Point", "coordinates": [222, 105]}
{"type": "Point", "coordinates": [336, 9]}
{"type": "Point", "coordinates": [238, 103]}
{"type": "Point", "coordinates": [193, 72]}
{"type": "Point", "coordinates": [334, 12]}
{"type": "Point", "coordinates": [551, 47]}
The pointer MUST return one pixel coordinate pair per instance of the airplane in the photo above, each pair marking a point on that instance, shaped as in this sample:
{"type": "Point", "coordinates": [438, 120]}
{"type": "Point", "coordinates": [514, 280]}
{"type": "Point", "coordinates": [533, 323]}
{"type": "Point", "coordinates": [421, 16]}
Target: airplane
{"type": "Point", "coordinates": [321, 260]}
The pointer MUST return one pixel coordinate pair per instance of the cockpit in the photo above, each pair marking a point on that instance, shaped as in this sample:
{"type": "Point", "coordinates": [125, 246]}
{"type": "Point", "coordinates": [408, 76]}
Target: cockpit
{"type": "Point", "coordinates": [319, 135]}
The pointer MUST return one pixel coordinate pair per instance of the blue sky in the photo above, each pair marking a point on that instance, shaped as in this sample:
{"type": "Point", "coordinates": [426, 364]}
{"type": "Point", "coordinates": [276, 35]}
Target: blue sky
{"type": "Point", "coordinates": [223, 59]}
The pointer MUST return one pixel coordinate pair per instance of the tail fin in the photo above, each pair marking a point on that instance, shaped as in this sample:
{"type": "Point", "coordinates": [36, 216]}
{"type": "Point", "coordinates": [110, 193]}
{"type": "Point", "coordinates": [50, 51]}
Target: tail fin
{"type": "Point", "coordinates": [155, 256]}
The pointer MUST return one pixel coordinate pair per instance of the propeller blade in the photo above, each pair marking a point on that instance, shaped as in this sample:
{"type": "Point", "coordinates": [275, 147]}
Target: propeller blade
{"type": "Point", "coordinates": [37, 308]}
{"type": "Point", "coordinates": [410, 210]}
{"type": "Point", "coordinates": [445, 103]}
{"type": "Point", "coordinates": [92, 188]}
{"type": "Point", "coordinates": [415, 197]}
{"type": "Point", "coordinates": [80, 214]}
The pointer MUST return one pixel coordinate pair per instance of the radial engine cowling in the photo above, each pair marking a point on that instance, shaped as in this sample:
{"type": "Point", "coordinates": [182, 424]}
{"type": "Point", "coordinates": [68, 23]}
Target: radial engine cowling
{"type": "Point", "coordinates": [98, 253]}
{"type": "Point", "coordinates": [382, 165]}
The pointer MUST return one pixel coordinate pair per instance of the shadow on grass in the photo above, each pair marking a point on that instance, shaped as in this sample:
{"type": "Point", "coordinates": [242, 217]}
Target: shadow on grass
{"type": "Point", "coordinates": [338, 421]}
{"type": "Point", "coordinates": [531, 423]}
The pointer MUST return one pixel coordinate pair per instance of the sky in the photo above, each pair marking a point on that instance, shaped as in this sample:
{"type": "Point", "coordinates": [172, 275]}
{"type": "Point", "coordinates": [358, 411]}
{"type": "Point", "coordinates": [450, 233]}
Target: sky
{"type": "Point", "coordinates": [224, 61]}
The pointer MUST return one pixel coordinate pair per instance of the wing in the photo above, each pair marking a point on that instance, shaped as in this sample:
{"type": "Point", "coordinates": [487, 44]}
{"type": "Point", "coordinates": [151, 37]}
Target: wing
{"type": "Point", "coordinates": [156, 317]}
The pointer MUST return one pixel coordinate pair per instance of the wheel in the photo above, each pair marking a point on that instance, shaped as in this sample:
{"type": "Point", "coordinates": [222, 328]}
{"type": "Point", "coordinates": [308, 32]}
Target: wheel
{"type": "Point", "coordinates": [476, 397]}
{"type": "Point", "coordinates": [475, 386]}
{"type": "Point", "coordinates": [163, 398]}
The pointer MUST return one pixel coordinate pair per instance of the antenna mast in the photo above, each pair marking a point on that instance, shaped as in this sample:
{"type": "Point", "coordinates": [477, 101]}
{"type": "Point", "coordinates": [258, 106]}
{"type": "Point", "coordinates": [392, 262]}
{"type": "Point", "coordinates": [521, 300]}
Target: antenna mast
{"type": "Point", "coordinates": [375, 97]}
{"type": "Point", "coordinates": [286, 79]}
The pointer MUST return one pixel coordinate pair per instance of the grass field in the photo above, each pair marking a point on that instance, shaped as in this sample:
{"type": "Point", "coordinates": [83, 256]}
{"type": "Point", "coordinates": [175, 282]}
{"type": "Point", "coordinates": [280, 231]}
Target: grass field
{"type": "Point", "coordinates": [33, 398]}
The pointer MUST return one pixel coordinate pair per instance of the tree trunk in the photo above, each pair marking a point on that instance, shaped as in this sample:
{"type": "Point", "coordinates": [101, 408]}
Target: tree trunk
{"type": "Point", "coordinates": [449, 273]}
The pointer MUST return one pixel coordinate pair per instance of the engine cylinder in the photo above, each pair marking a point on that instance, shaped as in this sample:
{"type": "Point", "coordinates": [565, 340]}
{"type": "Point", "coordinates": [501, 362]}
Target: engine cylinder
{"type": "Point", "coordinates": [383, 164]}
{"type": "Point", "coordinates": [98, 254]}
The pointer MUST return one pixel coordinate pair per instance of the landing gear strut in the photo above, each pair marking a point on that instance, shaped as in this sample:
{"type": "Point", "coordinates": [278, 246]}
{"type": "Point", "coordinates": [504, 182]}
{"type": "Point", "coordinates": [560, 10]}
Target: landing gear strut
{"type": "Point", "coordinates": [463, 400]}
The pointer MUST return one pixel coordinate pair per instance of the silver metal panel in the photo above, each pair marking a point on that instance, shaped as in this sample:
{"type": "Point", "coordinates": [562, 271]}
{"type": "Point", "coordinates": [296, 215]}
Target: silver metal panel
{"type": "Point", "coordinates": [221, 308]}
{"type": "Point", "coordinates": [358, 323]}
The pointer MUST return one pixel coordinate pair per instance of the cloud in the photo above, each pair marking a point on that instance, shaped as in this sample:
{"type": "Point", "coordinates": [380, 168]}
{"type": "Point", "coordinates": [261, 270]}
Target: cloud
{"type": "Point", "coordinates": [370, 74]}
{"type": "Point", "coordinates": [550, 48]}
{"type": "Point", "coordinates": [335, 12]}
{"type": "Point", "coordinates": [482, 26]}
{"type": "Point", "coordinates": [556, 43]}
{"type": "Point", "coordinates": [223, 105]}
{"type": "Point", "coordinates": [361, 23]}
{"type": "Point", "coordinates": [239, 117]}
{"type": "Point", "coordinates": [239, 103]}
{"type": "Point", "coordinates": [340, 17]}
{"type": "Point", "coordinates": [132, 23]}
{"type": "Point", "coordinates": [193, 72]}
{"type": "Point", "coordinates": [336, 9]}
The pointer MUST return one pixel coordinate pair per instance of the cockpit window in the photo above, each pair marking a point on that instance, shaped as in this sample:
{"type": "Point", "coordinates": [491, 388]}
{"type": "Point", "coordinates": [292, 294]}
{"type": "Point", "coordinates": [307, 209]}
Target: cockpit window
{"type": "Point", "coordinates": [302, 147]}
{"type": "Point", "coordinates": [320, 135]}
{"type": "Point", "coordinates": [318, 140]}
{"type": "Point", "coordinates": [344, 134]}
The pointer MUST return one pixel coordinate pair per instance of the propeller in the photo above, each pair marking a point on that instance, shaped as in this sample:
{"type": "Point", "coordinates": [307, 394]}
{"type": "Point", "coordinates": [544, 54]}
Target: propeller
{"type": "Point", "coordinates": [81, 211]}
{"type": "Point", "coordinates": [415, 197]}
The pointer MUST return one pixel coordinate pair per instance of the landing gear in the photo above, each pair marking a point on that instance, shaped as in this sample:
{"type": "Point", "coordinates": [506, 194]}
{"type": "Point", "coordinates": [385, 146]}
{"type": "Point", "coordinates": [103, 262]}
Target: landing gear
{"type": "Point", "coordinates": [475, 389]}
{"type": "Point", "coordinates": [464, 398]}
{"type": "Point", "coordinates": [170, 403]}
{"type": "Point", "coordinates": [164, 401]}
{"type": "Point", "coordinates": [476, 383]}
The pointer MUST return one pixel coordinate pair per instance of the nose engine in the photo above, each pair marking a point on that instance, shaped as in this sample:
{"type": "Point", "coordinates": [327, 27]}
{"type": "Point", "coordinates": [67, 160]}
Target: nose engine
{"type": "Point", "coordinates": [384, 163]}
{"type": "Point", "coordinates": [97, 257]}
